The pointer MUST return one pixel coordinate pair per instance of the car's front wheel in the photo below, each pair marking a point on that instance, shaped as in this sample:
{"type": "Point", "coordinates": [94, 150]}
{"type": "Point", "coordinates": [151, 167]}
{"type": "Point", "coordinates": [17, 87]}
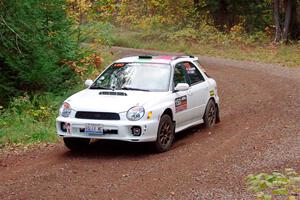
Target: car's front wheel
{"type": "Point", "coordinates": [76, 144]}
{"type": "Point", "coordinates": [165, 134]}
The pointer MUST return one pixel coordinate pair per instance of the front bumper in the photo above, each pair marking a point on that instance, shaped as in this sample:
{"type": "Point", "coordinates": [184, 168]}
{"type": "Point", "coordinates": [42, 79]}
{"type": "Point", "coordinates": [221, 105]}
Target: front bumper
{"type": "Point", "coordinates": [113, 129]}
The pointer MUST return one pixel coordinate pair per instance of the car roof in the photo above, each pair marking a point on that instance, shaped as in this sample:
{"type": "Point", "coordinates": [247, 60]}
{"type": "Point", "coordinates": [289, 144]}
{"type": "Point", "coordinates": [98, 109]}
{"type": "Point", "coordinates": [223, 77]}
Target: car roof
{"type": "Point", "coordinates": [164, 59]}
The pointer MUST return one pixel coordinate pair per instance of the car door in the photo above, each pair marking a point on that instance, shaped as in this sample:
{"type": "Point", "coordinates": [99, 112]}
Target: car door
{"type": "Point", "coordinates": [199, 91]}
{"type": "Point", "coordinates": [181, 98]}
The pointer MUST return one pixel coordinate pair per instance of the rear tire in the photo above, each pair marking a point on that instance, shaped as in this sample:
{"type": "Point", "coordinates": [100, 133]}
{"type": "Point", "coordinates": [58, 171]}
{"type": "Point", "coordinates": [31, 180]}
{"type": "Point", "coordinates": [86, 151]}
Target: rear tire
{"type": "Point", "coordinates": [77, 144]}
{"type": "Point", "coordinates": [210, 116]}
{"type": "Point", "coordinates": [165, 134]}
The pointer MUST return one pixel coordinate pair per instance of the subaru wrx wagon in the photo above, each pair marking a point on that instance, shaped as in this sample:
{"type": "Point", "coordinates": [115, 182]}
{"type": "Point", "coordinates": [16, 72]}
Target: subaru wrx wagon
{"type": "Point", "coordinates": [140, 99]}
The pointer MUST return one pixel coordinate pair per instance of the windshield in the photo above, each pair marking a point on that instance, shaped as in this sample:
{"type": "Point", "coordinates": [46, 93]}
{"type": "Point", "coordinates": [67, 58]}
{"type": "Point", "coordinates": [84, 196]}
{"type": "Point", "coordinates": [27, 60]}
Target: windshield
{"type": "Point", "coordinates": [135, 76]}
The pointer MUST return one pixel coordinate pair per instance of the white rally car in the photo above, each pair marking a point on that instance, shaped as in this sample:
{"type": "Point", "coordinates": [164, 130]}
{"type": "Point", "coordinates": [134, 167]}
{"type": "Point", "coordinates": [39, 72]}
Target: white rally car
{"type": "Point", "coordinates": [140, 99]}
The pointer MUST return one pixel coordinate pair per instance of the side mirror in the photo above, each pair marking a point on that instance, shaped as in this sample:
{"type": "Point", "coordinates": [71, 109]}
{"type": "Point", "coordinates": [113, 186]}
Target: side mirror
{"type": "Point", "coordinates": [88, 83]}
{"type": "Point", "coordinates": [182, 87]}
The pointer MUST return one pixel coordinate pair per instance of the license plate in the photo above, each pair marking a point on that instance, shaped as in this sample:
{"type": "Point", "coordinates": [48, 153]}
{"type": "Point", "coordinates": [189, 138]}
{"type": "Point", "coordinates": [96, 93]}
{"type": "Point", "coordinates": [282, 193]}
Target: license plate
{"type": "Point", "coordinates": [94, 129]}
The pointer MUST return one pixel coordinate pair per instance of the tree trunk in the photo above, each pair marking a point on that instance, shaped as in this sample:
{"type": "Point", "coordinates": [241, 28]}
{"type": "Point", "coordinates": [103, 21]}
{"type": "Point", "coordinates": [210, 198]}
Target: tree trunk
{"type": "Point", "coordinates": [277, 20]}
{"type": "Point", "coordinates": [287, 21]}
{"type": "Point", "coordinates": [197, 6]}
{"type": "Point", "coordinates": [295, 25]}
{"type": "Point", "coordinates": [197, 12]}
{"type": "Point", "coordinates": [79, 27]}
{"type": "Point", "coordinates": [221, 15]}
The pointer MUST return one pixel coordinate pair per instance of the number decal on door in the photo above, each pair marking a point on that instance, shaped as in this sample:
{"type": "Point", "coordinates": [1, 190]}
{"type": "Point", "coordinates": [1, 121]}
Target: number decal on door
{"type": "Point", "coordinates": [181, 103]}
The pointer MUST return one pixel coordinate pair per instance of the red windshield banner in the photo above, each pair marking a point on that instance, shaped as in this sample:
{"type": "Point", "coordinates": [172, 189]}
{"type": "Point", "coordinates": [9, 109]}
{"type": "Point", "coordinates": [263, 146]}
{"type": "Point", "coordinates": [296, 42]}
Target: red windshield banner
{"type": "Point", "coordinates": [119, 64]}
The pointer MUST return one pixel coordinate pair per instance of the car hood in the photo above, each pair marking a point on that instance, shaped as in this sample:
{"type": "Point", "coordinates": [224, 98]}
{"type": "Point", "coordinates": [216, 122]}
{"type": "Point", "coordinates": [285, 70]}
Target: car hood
{"type": "Point", "coordinates": [92, 100]}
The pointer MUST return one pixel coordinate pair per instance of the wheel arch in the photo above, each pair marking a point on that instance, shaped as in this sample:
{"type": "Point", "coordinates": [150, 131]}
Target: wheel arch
{"type": "Point", "coordinates": [168, 111]}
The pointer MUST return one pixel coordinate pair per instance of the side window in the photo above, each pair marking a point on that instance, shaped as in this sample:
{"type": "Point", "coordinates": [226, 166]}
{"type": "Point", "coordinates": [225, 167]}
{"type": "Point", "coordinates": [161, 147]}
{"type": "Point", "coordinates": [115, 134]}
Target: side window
{"type": "Point", "coordinates": [193, 73]}
{"type": "Point", "coordinates": [179, 74]}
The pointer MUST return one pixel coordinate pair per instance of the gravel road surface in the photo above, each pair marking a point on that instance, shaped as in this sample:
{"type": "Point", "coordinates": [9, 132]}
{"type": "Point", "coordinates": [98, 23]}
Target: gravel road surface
{"type": "Point", "coordinates": [259, 131]}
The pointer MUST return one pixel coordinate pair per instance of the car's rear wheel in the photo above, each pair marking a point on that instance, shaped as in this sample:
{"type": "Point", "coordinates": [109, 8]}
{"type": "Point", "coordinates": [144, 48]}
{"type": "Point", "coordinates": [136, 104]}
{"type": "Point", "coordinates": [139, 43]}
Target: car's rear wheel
{"type": "Point", "coordinates": [76, 144]}
{"type": "Point", "coordinates": [210, 115]}
{"type": "Point", "coordinates": [165, 134]}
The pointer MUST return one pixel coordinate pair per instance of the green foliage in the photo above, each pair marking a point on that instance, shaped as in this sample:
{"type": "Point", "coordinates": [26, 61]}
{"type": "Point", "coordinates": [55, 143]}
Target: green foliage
{"type": "Point", "coordinates": [34, 39]}
{"type": "Point", "coordinates": [25, 122]}
{"type": "Point", "coordinates": [153, 13]}
{"type": "Point", "coordinates": [251, 16]}
{"type": "Point", "coordinates": [266, 186]}
{"type": "Point", "coordinates": [97, 32]}
{"type": "Point", "coordinates": [31, 119]}
{"type": "Point", "coordinates": [104, 10]}
{"type": "Point", "coordinates": [190, 35]}
{"type": "Point", "coordinates": [209, 41]}
{"type": "Point", "coordinates": [254, 15]}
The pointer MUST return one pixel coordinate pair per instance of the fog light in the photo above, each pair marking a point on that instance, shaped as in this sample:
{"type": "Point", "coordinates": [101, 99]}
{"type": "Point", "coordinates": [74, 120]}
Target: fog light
{"type": "Point", "coordinates": [63, 127]}
{"type": "Point", "coordinates": [136, 131]}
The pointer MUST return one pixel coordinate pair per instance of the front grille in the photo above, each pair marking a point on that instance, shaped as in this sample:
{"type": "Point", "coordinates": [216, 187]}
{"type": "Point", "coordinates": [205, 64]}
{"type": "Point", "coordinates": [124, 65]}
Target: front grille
{"type": "Point", "coordinates": [97, 115]}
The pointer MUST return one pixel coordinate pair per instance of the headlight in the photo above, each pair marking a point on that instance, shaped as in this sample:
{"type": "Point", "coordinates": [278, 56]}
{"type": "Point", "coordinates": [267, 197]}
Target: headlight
{"type": "Point", "coordinates": [65, 110]}
{"type": "Point", "coordinates": [135, 113]}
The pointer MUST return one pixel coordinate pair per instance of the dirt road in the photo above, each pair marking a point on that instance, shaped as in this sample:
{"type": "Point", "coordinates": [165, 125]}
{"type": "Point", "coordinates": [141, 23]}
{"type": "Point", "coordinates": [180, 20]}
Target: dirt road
{"type": "Point", "coordinates": [259, 131]}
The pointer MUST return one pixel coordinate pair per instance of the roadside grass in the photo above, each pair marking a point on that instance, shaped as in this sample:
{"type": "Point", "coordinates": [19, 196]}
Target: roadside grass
{"type": "Point", "coordinates": [217, 46]}
{"type": "Point", "coordinates": [30, 118]}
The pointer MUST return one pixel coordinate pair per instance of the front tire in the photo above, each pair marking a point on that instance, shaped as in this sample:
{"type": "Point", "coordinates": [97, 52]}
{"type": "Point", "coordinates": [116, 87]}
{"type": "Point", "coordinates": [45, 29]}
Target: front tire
{"type": "Point", "coordinates": [77, 144]}
{"type": "Point", "coordinates": [165, 134]}
{"type": "Point", "coordinates": [210, 116]}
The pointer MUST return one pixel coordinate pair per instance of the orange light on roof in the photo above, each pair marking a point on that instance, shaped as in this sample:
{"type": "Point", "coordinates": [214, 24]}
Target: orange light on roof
{"type": "Point", "coordinates": [119, 64]}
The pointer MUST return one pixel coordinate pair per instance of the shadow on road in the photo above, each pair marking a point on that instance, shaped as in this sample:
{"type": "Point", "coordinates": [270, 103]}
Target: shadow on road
{"type": "Point", "coordinates": [188, 133]}
{"type": "Point", "coordinates": [111, 148]}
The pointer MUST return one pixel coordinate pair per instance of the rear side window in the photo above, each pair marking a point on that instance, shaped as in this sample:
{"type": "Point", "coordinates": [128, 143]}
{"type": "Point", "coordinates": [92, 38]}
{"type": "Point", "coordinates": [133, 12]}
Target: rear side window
{"type": "Point", "coordinates": [193, 73]}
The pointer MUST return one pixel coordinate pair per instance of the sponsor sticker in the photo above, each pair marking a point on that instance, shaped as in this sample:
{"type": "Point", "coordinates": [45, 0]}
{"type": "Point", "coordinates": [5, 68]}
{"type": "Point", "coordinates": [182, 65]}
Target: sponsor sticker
{"type": "Point", "coordinates": [181, 103]}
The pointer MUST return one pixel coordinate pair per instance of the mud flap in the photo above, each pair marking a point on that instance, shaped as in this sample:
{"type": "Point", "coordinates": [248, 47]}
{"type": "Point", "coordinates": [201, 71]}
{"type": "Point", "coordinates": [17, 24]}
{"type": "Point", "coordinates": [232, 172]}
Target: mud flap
{"type": "Point", "coordinates": [218, 119]}
{"type": "Point", "coordinates": [174, 127]}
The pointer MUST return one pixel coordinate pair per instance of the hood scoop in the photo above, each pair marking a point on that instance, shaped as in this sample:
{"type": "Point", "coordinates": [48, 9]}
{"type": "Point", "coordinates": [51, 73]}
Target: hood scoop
{"type": "Point", "coordinates": [113, 93]}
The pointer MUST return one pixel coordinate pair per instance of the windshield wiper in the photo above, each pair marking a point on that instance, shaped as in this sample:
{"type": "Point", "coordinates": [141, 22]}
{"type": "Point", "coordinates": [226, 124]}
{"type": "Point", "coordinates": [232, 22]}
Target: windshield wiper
{"type": "Point", "coordinates": [136, 89]}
